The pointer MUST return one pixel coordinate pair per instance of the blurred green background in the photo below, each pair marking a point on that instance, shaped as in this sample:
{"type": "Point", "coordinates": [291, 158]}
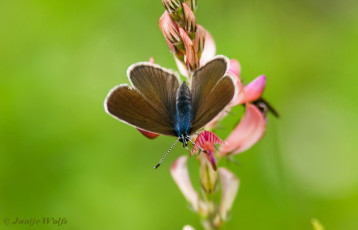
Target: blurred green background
{"type": "Point", "coordinates": [61, 155]}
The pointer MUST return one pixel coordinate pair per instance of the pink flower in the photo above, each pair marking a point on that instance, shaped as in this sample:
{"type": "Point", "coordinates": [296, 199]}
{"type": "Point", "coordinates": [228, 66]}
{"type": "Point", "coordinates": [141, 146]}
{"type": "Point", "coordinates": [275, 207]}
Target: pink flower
{"type": "Point", "coordinates": [206, 141]}
{"type": "Point", "coordinates": [253, 124]}
{"type": "Point", "coordinates": [181, 177]}
{"type": "Point", "coordinates": [235, 70]}
{"type": "Point", "coordinates": [250, 129]}
{"type": "Point", "coordinates": [229, 185]}
{"type": "Point", "coordinates": [254, 89]}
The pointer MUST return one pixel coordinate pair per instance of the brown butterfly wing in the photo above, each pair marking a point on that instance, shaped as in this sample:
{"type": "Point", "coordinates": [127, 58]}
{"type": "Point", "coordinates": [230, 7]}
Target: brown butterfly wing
{"type": "Point", "coordinates": [211, 91]}
{"type": "Point", "coordinates": [157, 85]}
{"type": "Point", "coordinates": [204, 80]}
{"type": "Point", "coordinates": [130, 106]}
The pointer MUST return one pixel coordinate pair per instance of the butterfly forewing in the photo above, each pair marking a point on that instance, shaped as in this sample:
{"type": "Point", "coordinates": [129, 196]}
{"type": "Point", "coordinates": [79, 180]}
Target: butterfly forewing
{"type": "Point", "coordinates": [157, 85]}
{"type": "Point", "coordinates": [214, 102]}
{"type": "Point", "coordinates": [130, 106]}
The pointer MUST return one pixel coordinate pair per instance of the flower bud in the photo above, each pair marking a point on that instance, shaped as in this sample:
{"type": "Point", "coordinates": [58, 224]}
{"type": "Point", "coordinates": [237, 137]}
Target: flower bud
{"type": "Point", "coordinates": [169, 28]}
{"type": "Point", "coordinates": [199, 41]}
{"type": "Point", "coordinates": [171, 5]}
{"type": "Point", "coordinates": [189, 19]}
{"type": "Point", "coordinates": [191, 4]}
{"type": "Point", "coordinates": [191, 58]}
{"type": "Point", "coordinates": [208, 174]}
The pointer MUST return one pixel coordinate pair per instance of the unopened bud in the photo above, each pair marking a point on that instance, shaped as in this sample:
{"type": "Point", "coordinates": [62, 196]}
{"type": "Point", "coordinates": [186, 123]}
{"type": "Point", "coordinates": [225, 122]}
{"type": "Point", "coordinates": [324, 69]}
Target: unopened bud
{"type": "Point", "coordinates": [171, 5]}
{"type": "Point", "coordinates": [199, 41]}
{"type": "Point", "coordinates": [191, 58]}
{"type": "Point", "coordinates": [169, 28]}
{"type": "Point", "coordinates": [191, 4]}
{"type": "Point", "coordinates": [208, 175]}
{"type": "Point", "coordinates": [189, 19]}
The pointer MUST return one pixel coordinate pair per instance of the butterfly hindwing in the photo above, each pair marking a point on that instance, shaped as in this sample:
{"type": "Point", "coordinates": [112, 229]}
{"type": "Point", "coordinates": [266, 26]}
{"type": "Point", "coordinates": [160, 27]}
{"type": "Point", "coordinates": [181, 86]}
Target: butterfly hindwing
{"type": "Point", "coordinates": [130, 106]}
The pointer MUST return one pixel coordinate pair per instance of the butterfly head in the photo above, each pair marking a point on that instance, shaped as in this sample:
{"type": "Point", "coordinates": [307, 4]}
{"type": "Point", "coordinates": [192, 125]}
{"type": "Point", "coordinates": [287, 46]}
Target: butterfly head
{"type": "Point", "coordinates": [184, 139]}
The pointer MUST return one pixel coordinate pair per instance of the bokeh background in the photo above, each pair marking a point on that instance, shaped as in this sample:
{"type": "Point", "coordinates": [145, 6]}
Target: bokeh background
{"type": "Point", "coordinates": [62, 156]}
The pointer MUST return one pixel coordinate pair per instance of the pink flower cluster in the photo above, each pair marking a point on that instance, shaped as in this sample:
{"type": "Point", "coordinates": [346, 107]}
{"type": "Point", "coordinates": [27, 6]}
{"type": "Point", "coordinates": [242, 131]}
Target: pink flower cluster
{"type": "Point", "coordinates": [192, 46]}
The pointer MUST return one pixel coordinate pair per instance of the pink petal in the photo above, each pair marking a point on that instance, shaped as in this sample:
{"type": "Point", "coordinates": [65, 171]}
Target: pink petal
{"type": "Point", "coordinates": [209, 49]}
{"type": "Point", "coordinates": [206, 136]}
{"type": "Point", "coordinates": [209, 147]}
{"type": "Point", "coordinates": [240, 92]}
{"type": "Point", "coordinates": [171, 46]}
{"type": "Point", "coordinates": [181, 177]}
{"type": "Point", "coordinates": [254, 90]}
{"type": "Point", "coordinates": [151, 60]}
{"type": "Point", "coordinates": [235, 68]}
{"type": "Point", "coordinates": [250, 129]}
{"type": "Point", "coordinates": [229, 186]}
{"type": "Point", "coordinates": [148, 134]}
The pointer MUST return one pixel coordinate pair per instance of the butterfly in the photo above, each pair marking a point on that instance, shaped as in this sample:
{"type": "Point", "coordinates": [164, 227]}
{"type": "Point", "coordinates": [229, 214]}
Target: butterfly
{"type": "Point", "coordinates": [157, 102]}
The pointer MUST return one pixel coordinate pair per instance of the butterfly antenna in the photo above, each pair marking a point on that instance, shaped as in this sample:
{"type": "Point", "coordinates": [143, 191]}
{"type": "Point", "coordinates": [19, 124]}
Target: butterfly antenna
{"type": "Point", "coordinates": [186, 147]}
{"type": "Point", "coordinates": [198, 146]}
{"type": "Point", "coordinates": [166, 154]}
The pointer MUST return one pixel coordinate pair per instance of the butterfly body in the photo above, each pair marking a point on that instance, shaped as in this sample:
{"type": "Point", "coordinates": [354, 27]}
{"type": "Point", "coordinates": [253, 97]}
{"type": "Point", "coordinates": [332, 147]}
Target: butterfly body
{"type": "Point", "coordinates": [183, 113]}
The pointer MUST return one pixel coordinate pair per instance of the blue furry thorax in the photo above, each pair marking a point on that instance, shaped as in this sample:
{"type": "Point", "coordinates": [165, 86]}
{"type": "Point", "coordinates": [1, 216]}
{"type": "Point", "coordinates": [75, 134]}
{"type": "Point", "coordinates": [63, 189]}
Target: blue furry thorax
{"type": "Point", "coordinates": [183, 114]}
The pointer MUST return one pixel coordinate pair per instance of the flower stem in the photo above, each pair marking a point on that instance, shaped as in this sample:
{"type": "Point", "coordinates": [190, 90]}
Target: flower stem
{"type": "Point", "coordinates": [208, 177]}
